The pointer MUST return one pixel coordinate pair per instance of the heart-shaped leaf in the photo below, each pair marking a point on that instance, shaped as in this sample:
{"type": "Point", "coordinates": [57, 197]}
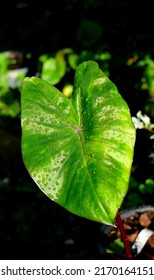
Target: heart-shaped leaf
{"type": "Point", "coordinates": [79, 151]}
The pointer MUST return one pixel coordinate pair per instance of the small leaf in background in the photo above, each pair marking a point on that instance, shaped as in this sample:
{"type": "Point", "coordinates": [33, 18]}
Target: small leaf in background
{"type": "Point", "coordinates": [89, 32]}
{"type": "Point", "coordinates": [148, 187]}
{"type": "Point", "coordinates": [4, 62]}
{"type": "Point", "coordinates": [79, 151]}
{"type": "Point", "coordinates": [73, 59]}
{"type": "Point", "coordinates": [53, 70]}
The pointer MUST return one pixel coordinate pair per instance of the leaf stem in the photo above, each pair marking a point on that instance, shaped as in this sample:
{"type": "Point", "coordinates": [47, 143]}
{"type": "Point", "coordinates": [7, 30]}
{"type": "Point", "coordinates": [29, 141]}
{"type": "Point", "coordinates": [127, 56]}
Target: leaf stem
{"type": "Point", "coordinates": [124, 237]}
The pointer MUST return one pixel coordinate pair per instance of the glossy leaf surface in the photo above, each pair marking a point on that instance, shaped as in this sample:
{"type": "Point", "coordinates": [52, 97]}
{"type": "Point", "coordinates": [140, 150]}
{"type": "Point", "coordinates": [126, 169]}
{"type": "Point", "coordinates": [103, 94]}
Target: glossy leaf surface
{"type": "Point", "coordinates": [79, 151]}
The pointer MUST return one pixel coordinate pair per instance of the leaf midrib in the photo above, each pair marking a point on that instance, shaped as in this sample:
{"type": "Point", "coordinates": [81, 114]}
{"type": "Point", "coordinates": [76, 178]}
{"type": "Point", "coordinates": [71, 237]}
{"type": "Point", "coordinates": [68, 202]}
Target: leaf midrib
{"type": "Point", "coordinates": [91, 179]}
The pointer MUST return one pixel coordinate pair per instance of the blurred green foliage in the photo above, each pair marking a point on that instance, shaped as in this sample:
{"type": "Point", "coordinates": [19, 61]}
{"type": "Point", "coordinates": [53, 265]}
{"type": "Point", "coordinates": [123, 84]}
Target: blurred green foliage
{"type": "Point", "coordinates": [147, 63]}
{"type": "Point", "coordinates": [139, 193]}
{"type": "Point", "coordinates": [52, 68]}
{"type": "Point", "coordinates": [10, 86]}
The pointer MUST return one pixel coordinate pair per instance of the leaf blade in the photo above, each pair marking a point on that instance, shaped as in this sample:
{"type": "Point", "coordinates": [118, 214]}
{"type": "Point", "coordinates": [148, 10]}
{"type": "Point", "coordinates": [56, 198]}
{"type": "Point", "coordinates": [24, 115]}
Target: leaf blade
{"type": "Point", "coordinates": [74, 153]}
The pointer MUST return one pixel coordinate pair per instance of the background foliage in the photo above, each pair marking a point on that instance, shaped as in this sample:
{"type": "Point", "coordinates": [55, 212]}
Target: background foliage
{"type": "Point", "coordinates": [49, 39]}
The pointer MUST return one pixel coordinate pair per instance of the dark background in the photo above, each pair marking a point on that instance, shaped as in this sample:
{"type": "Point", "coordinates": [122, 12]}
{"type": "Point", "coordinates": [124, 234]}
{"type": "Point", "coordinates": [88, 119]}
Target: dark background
{"type": "Point", "coordinates": [32, 226]}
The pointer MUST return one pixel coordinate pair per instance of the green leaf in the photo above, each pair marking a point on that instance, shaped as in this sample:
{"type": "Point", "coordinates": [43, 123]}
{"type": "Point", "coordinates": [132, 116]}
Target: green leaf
{"type": "Point", "coordinates": [53, 70]}
{"type": "Point", "coordinates": [79, 151]}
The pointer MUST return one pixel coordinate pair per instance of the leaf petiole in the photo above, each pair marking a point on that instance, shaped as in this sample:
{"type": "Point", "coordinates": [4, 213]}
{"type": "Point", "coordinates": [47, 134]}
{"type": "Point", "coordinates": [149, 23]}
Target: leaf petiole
{"type": "Point", "coordinates": [124, 237]}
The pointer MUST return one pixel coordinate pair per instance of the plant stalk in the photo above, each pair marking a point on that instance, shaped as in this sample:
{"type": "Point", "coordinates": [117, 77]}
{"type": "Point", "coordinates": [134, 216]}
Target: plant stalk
{"type": "Point", "coordinates": [124, 237]}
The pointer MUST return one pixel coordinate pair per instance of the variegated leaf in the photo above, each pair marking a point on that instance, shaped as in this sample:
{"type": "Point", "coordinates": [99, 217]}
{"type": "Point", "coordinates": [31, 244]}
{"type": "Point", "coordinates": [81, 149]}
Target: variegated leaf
{"type": "Point", "coordinates": [79, 151]}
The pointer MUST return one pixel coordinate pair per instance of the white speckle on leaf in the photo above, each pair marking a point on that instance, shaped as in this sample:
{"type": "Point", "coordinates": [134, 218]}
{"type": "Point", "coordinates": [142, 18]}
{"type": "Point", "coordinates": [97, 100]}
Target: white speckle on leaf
{"type": "Point", "coordinates": [120, 156]}
{"type": "Point", "coordinates": [49, 178]}
{"type": "Point", "coordinates": [102, 115]}
{"type": "Point", "coordinates": [67, 110]}
{"type": "Point", "coordinates": [52, 107]}
{"type": "Point", "coordinates": [100, 81]}
{"type": "Point", "coordinates": [99, 100]}
{"type": "Point", "coordinates": [39, 126]}
{"type": "Point", "coordinates": [60, 100]}
{"type": "Point", "coordinates": [119, 136]}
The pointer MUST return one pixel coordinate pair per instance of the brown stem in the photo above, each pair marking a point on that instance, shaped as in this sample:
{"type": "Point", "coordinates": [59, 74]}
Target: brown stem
{"type": "Point", "coordinates": [124, 237]}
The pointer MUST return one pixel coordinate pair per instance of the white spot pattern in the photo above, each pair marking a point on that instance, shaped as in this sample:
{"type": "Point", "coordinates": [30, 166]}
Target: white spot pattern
{"type": "Point", "coordinates": [50, 178]}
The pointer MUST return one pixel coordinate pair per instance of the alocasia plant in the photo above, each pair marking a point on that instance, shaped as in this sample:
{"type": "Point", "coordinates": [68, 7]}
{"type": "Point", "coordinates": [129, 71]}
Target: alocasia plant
{"type": "Point", "coordinates": [79, 151]}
